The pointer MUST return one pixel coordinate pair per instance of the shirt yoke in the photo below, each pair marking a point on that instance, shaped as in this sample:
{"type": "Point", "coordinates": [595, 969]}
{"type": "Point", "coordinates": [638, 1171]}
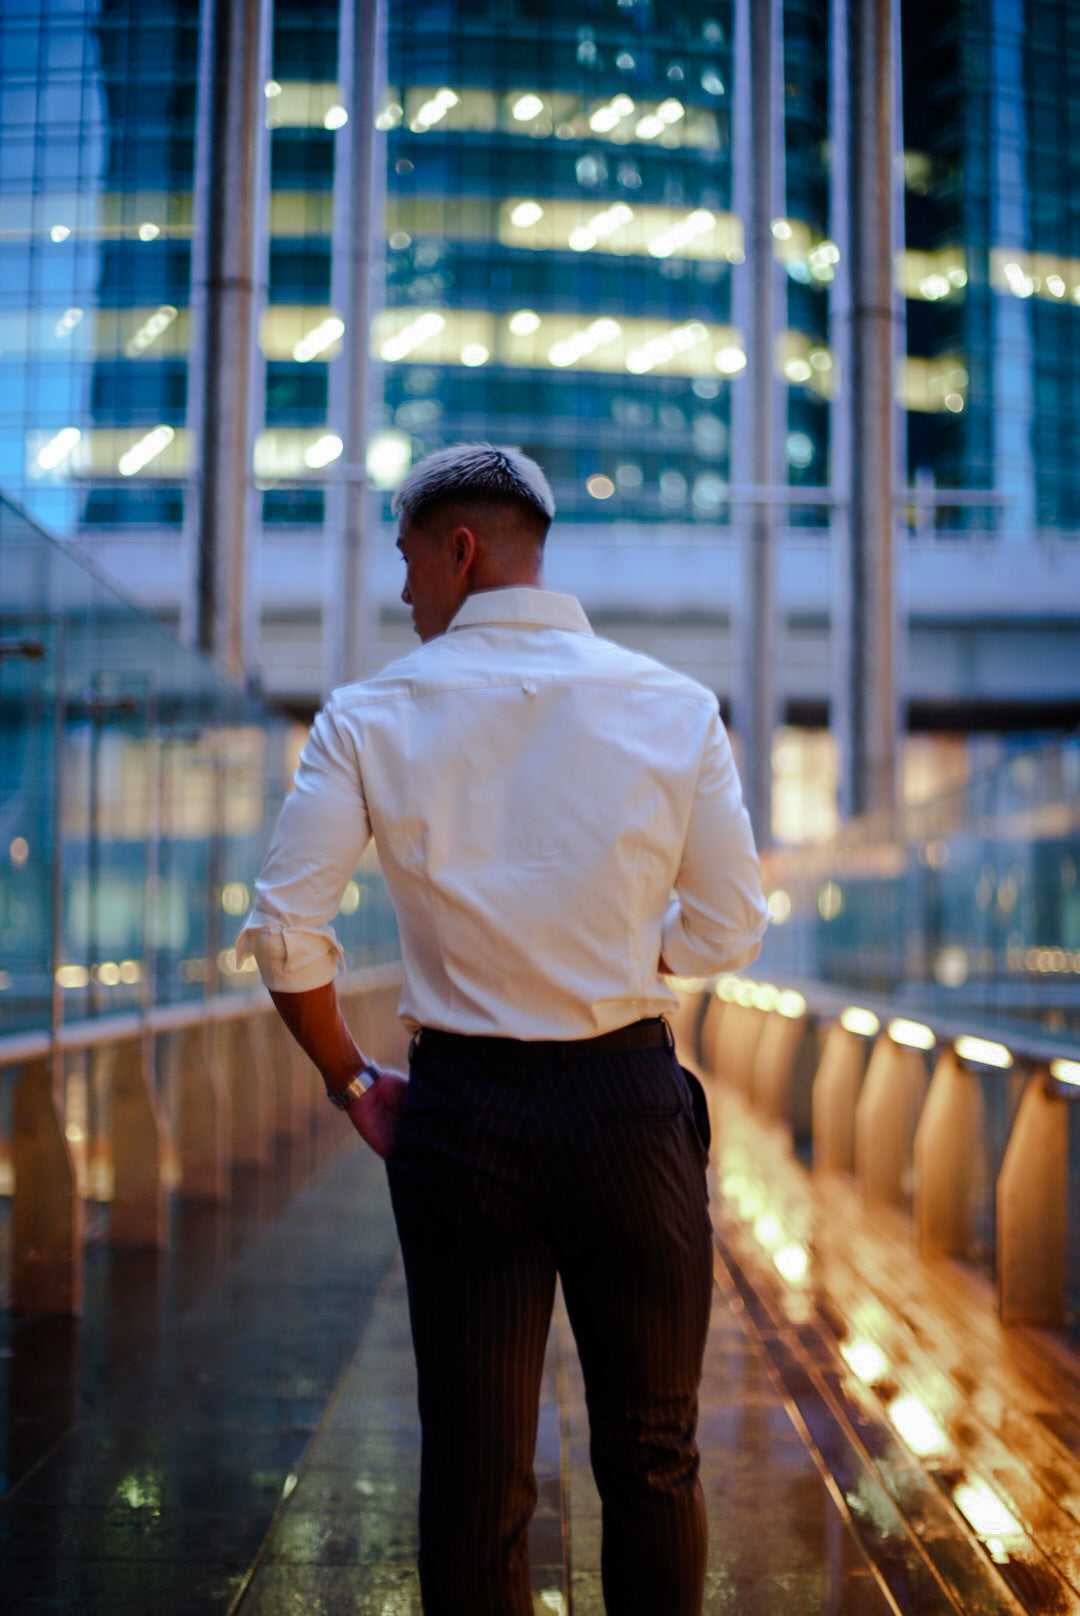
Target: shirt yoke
{"type": "Point", "coordinates": [451, 664]}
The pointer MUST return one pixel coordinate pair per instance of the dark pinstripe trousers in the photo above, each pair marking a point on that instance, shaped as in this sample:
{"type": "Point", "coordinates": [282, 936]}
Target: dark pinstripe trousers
{"type": "Point", "coordinates": [508, 1171]}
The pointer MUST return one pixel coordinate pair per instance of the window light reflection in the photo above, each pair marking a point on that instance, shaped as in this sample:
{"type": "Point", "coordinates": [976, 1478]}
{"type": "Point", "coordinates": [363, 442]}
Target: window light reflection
{"type": "Point", "coordinates": [918, 1427]}
{"type": "Point", "coordinates": [793, 1263]}
{"type": "Point", "coordinates": [68, 321]}
{"type": "Point", "coordinates": [988, 1516]}
{"type": "Point", "coordinates": [865, 1359]}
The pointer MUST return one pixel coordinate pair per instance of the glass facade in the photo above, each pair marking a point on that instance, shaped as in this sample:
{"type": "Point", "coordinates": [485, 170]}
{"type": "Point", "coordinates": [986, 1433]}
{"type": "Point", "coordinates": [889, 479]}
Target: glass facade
{"type": "Point", "coordinates": [561, 246]}
{"type": "Point", "coordinates": [98, 106]}
{"type": "Point", "coordinates": [992, 221]}
{"type": "Point", "coordinates": [561, 201]}
{"type": "Point", "coordinates": [566, 197]}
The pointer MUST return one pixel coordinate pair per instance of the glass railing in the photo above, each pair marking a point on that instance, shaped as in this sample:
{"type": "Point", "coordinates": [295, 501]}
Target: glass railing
{"type": "Point", "coordinates": [137, 795]}
{"type": "Point", "coordinates": [967, 904]}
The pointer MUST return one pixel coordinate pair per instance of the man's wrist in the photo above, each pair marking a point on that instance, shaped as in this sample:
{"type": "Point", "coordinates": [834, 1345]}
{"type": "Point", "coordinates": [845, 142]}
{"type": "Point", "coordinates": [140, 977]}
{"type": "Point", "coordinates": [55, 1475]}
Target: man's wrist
{"type": "Point", "coordinates": [361, 1080]}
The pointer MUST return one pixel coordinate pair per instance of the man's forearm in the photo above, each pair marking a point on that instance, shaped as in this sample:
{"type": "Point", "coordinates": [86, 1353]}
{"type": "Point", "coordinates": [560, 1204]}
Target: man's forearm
{"type": "Point", "coordinates": [314, 1018]}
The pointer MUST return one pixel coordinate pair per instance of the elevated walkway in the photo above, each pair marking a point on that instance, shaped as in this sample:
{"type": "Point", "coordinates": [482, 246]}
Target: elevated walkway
{"type": "Point", "coordinates": [232, 1426]}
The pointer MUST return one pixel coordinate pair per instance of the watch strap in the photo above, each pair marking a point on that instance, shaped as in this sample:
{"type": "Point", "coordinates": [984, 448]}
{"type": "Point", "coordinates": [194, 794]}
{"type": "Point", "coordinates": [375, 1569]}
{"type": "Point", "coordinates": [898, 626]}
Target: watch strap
{"type": "Point", "coordinates": [357, 1085]}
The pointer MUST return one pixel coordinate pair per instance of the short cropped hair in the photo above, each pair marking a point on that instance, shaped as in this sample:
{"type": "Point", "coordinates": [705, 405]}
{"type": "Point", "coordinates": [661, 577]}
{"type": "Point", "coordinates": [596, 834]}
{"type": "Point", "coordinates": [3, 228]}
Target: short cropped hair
{"type": "Point", "coordinates": [476, 471]}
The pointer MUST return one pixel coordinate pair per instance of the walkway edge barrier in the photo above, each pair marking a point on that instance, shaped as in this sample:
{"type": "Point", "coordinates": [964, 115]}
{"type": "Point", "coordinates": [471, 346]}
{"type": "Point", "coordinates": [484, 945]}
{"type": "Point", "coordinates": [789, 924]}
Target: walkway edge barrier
{"type": "Point", "coordinates": [47, 1216]}
{"type": "Point", "coordinates": [834, 1100]}
{"type": "Point", "coordinates": [907, 1142]}
{"type": "Point", "coordinates": [1032, 1200]}
{"type": "Point", "coordinates": [139, 1149]}
{"type": "Point", "coordinates": [886, 1117]}
{"type": "Point", "coordinates": [950, 1160]}
{"type": "Point", "coordinates": [176, 1124]}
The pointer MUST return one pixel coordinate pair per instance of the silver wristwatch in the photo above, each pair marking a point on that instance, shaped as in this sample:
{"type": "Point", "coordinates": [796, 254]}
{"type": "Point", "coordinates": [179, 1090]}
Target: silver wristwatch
{"type": "Point", "coordinates": [357, 1085]}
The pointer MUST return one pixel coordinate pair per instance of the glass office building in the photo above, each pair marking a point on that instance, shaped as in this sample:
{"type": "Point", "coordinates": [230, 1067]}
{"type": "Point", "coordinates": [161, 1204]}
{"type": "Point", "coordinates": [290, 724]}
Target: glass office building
{"type": "Point", "coordinates": [566, 267]}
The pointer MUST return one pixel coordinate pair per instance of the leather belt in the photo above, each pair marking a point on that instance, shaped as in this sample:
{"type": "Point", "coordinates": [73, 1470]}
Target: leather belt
{"type": "Point", "coordinates": [651, 1034]}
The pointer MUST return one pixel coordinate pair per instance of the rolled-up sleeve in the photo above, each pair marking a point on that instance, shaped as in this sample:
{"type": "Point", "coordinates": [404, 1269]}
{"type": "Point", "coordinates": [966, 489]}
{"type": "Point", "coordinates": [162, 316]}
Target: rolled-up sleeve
{"type": "Point", "coordinates": [717, 917]}
{"type": "Point", "coordinates": [321, 832]}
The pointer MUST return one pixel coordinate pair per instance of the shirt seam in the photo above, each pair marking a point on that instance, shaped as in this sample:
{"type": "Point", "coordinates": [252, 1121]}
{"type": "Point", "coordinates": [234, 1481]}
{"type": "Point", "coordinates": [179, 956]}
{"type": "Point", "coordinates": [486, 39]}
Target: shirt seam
{"type": "Point", "coordinates": [523, 677]}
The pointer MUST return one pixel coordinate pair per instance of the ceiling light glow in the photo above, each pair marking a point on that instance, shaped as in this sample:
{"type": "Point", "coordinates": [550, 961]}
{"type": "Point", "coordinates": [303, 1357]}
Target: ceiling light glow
{"type": "Point", "coordinates": [662, 349]}
{"type": "Point", "coordinates": [147, 449]}
{"type": "Point", "coordinates": [730, 361]}
{"type": "Point", "coordinates": [600, 227]}
{"type": "Point", "coordinates": [388, 458]}
{"type": "Point", "coordinates": [696, 224]}
{"type": "Point", "coordinates": [149, 332]}
{"type": "Point", "coordinates": [58, 448]}
{"type": "Point", "coordinates": [583, 343]}
{"type": "Point", "coordinates": [321, 337]}
{"type": "Point", "coordinates": [323, 451]}
{"type": "Point", "coordinates": [526, 214]}
{"type": "Point", "coordinates": [412, 336]}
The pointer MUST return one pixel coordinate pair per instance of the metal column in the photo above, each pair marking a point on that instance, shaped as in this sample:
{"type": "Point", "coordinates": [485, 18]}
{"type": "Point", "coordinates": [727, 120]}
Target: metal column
{"type": "Point", "coordinates": [871, 674]}
{"type": "Point", "coordinates": [229, 341]}
{"type": "Point", "coordinates": [761, 162]}
{"type": "Point", "coordinates": [350, 620]}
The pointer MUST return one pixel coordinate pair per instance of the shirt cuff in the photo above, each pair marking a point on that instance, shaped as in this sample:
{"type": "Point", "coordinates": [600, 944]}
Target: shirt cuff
{"type": "Point", "coordinates": [291, 959]}
{"type": "Point", "coordinates": [729, 951]}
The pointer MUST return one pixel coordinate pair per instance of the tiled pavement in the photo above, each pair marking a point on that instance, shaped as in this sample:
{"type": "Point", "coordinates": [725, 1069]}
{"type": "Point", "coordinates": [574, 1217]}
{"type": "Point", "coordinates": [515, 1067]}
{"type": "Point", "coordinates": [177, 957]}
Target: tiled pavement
{"type": "Point", "coordinates": [260, 1451]}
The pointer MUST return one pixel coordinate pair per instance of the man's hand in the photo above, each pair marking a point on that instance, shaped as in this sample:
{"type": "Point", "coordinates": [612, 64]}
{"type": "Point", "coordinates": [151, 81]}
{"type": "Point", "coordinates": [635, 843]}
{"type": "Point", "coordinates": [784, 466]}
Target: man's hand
{"type": "Point", "coordinates": [376, 1114]}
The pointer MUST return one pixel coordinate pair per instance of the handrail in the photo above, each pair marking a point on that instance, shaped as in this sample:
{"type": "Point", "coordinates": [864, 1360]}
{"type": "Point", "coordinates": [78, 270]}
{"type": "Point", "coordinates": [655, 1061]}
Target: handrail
{"type": "Point", "coordinates": [831, 1002]}
{"type": "Point", "coordinates": [15, 1048]}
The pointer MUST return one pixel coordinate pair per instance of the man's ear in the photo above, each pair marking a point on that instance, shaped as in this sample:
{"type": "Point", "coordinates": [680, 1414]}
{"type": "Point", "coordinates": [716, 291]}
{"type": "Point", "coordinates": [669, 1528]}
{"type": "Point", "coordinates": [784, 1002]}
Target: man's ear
{"type": "Point", "coordinates": [463, 548]}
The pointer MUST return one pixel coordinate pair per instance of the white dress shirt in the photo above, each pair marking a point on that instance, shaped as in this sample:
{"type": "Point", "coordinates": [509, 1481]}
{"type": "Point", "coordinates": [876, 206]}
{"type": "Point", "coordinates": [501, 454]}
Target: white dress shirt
{"type": "Point", "coordinates": [552, 812]}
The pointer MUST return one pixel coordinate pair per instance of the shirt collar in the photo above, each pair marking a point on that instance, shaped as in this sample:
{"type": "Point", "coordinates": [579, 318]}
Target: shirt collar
{"type": "Point", "coordinates": [522, 606]}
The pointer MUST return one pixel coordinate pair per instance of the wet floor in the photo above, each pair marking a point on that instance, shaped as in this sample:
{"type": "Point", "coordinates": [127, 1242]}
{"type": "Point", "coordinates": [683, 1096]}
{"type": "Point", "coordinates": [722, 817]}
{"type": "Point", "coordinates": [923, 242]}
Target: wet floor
{"type": "Point", "coordinates": [232, 1425]}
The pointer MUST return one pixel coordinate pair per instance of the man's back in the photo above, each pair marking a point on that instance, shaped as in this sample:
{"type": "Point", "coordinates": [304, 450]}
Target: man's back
{"type": "Point", "coordinates": [531, 790]}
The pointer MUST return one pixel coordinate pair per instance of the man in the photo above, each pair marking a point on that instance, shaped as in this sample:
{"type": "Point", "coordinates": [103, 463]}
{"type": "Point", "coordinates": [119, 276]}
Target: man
{"type": "Point", "coordinates": [559, 823]}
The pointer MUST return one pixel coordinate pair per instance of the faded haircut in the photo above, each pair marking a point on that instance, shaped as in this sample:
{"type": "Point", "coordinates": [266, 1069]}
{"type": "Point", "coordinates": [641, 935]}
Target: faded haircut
{"type": "Point", "coordinates": [488, 472]}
